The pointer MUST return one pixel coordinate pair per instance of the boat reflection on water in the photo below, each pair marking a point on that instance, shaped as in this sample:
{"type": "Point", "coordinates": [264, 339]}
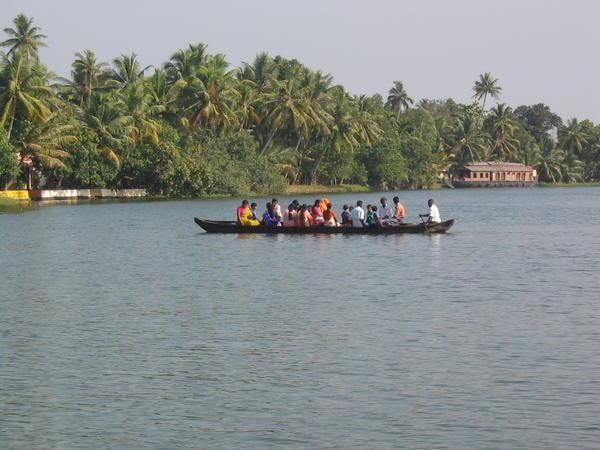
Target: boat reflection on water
{"type": "Point", "coordinates": [246, 236]}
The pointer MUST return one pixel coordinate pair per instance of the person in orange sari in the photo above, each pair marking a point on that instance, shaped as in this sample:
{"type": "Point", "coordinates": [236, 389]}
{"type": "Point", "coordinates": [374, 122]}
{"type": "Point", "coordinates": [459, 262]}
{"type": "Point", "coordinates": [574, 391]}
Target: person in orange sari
{"type": "Point", "coordinates": [244, 214]}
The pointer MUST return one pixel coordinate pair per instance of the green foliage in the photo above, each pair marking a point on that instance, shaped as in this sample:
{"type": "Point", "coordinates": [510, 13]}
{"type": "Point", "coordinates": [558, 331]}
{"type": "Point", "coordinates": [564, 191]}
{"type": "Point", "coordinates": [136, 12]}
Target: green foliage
{"type": "Point", "coordinates": [197, 126]}
{"type": "Point", "coordinates": [421, 162]}
{"type": "Point", "coordinates": [87, 166]}
{"type": "Point", "coordinates": [538, 120]}
{"type": "Point", "coordinates": [9, 166]}
{"type": "Point", "coordinates": [385, 161]}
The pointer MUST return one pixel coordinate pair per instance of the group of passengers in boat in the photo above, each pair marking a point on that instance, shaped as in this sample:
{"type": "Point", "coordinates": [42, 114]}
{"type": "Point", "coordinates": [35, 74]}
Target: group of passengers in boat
{"type": "Point", "coordinates": [321, 213]}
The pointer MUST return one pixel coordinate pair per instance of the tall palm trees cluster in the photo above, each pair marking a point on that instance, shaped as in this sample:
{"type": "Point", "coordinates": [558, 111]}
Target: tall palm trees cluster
{"type": "Point", "coordinates": [195, 125]}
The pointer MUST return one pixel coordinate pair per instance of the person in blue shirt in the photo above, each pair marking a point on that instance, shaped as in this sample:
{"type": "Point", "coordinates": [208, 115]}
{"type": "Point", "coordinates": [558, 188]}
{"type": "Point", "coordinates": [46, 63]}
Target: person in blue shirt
{"type": "Point", "coordinates": [269, 218]}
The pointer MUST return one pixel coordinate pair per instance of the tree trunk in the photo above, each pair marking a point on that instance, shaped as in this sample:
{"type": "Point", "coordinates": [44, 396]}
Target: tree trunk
{"type": "Point", "coordinates": [264, 149]}
{"type": "Point", "coordinates": [398, 115]}
{"type": "Point", "coordinates": [29, 177]}
{"type": "Point", "coordinates": [12, 122]}
{"type": "Point", "coordinates": [317, 165]}
{"type": "Point", "coordinates": [298, 171]}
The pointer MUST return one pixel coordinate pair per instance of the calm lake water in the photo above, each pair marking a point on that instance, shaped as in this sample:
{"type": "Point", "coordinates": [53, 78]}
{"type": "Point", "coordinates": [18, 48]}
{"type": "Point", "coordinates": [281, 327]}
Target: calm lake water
{"type": "Point", "coordinates": [123, 326]}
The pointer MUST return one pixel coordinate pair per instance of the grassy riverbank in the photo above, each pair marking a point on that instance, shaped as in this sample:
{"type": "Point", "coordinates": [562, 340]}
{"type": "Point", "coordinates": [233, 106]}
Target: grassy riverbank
{"type": "Point", "coordinates": [298, 189]}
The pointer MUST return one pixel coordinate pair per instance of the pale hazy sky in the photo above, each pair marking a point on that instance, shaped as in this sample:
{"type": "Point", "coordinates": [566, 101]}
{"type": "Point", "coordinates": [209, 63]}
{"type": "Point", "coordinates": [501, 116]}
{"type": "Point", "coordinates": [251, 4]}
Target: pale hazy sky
{"type": "Point", "coordinates": [541, 50]}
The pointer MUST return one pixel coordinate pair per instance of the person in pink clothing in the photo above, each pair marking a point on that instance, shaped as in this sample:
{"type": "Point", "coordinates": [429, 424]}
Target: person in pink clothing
{"type": "Point", "coordinates": [317, 213]}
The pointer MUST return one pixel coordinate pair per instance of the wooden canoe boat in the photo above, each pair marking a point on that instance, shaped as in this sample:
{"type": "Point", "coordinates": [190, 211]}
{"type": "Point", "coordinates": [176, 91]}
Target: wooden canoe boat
{"type": "Point", "coordinates": [217, 226]}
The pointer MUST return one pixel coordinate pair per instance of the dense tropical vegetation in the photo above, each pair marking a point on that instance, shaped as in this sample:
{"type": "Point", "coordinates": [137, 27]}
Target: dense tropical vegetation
{"type": "Point", "coordinates": [198, 126]}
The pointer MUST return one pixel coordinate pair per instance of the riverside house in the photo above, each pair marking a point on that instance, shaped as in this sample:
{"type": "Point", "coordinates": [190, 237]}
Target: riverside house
{"type": "Point", "coordinates": [493, 174]}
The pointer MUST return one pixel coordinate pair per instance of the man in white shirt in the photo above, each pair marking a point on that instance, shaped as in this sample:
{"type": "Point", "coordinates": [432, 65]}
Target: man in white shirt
{"type": "Point", "coordinates": [277, 209]}
{"type": "Point", "coordinates": [385, 211]}
{"type": "Point", "coordinates": [434, 212]}
{"type": "Point", "coordinates": [358, 215]}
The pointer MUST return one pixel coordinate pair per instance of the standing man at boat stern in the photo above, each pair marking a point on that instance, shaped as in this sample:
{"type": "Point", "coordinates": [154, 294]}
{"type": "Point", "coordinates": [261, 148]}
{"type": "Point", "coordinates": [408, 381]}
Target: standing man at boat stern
{"type": "Point", "coordinates": [434, 212]}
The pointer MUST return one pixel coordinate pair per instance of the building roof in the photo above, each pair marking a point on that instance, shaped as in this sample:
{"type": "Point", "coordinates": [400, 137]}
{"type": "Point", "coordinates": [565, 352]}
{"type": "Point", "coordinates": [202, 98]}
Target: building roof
{"type": "Point", "coordinates": [494, 166]}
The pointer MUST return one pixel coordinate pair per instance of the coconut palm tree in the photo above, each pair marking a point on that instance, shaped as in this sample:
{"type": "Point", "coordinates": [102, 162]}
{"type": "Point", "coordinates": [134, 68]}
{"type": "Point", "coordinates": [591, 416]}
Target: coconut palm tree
{"type": "Point", "coordinates": [46, 144]}
{"type": "Point", "coordinates": [23, 92]}
{"type": "Point", "coordinates": [502, 132]}
{"type": "Point", "coordinates": [572, 168]}
{"type": "Point", "coordinates": [573, 137]}
{"type": "Point", "coordinates": [113, 129]}
{"type": "Point", "coordinates": [550, 160]}
{"type": "Point", "coordinates": [442, 133]}
{"type": "Point", "coordinates": [367, 128]}
{"type": "Point", "coordinates": [136, 106]}
{"type": "Point", "coordinates": [260, 71]}
{"type": "Point", "coordinates": [127, 70]}
{"type": "Point", "coordinates": [486, 85]}
{"type": "Point", "coordinates": [86, 77]}
{"type": "Point", "coordinates": [162, 95]}
{"type": "Point", "coordinates": [248, 104]}
{"type": "Point", "coordinates": [317, 88]}
{"type": "Point", "coordinates": [529, 152]}
{"type": "Point", "coordinates": [469, 141]}
{"type": "Point", "coordinates": [25, 38]}
{"type": "Point", "coordinates": [398, 99]}
{"type": "Point", "coordinates": [343, 132]}
{"type": "Point", "coordinates": [184, 64]}
{"type": "Point", "coordinates": [208, 99]}
{"type": "Point", "coordinates": [287, 109]}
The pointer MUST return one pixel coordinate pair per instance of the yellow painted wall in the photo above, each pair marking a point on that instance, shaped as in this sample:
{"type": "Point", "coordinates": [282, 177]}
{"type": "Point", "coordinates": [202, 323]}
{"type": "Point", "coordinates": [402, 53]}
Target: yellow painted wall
{"type": "Point", "coordinates": [19, 195]}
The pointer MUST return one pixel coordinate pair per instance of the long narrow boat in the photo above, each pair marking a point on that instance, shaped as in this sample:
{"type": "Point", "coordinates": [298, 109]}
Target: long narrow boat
{"type": "Point", "coordinates": [217, 226]}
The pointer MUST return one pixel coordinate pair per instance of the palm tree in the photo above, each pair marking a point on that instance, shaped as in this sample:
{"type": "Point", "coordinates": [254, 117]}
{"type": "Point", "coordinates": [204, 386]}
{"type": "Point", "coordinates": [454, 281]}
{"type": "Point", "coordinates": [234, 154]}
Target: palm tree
{"type": "Point", "coordinates": [317, 88]}
{"type": "Point", "coordinates": [398, 99]}
{"type": "Point", "coordinates": [572, 168]}
{"type": "Point", "coordinates": [136, 105]}
{"type": "Point", "coordinates": [248, 104]}
{"type": "Point", "coordinates": [529, 152]}
{"type": "Point", "coordinates": [469, 141]}
{"type": "Point", "coordinates": [45, 145]}
{"type": "Point", "coordinates": [288, 109]}
{"type": "Point", "coordinates": [162, 95]}
{"type": "Point", "coordinates": [368, 130]}
{"type": "Point", "coordinates": [25, 38]}
{"type": "Point", "coordinates": [572, 137]}
{"type": "Point", "coordinates": [550, 160]}
{"type": "Point", "coordinates": [113, 129]}
{"type": "Point", "coordinates": [486, 85]}
{"type": "Point", "coordinates": [260, 71]}
{"type": "Point", "coordinates": [23, 92]}
{"type": "Point", "coordinates": [442, 133]}
{"type": "Point", "coordinates": [86, 74]}
{"type": "Point", "coordinates": [208, 98]}
{"type": "Point", "coordinates": [502, 132]}
{"type": "Point", "coordinates": [184, 64]}
{"type": "Point", "coordinates": [344, 133]}
{"type": "Point", "coordinates": [127, 70]}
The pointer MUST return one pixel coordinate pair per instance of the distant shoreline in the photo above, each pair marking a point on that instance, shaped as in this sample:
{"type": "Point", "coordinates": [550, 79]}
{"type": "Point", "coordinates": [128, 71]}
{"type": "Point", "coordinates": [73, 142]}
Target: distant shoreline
{"type": "Point", "coordinates": [13, 205]}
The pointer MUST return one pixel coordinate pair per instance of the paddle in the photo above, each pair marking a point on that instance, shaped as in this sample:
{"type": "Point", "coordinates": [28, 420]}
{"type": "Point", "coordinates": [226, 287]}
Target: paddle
{"type": "Point", "coordinates": [424, 223]}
